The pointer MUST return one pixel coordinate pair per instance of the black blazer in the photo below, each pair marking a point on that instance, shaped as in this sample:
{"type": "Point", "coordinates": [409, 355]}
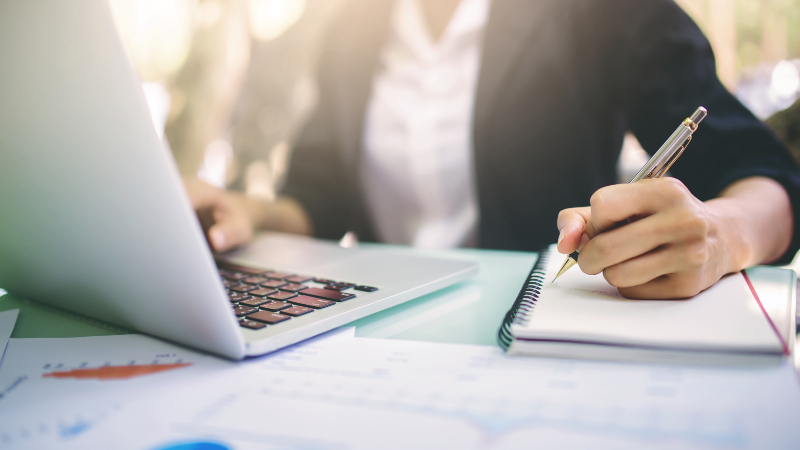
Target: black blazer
{"type": "Point", "coordinates": [560, 83]}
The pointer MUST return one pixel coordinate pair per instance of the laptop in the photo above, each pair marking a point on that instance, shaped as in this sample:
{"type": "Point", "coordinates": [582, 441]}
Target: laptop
{"type": "Point", "coordinates": [94, 217]}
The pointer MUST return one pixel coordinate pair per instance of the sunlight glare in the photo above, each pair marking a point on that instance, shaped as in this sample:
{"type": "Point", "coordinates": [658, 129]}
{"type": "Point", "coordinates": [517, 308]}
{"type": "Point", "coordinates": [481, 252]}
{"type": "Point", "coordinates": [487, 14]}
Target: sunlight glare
{"type": "Point", "coordinates": [271, 18]}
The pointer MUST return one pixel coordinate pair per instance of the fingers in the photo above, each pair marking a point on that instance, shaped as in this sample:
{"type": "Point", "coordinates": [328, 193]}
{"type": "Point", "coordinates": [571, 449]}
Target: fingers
{"type": "Point", "coordinates": [229, 224]}
{"type": "Point", "coordinates": [622, 244]}
{"type": "Point", "coordinates": [232, 225]}
{"type": "Point", "coordinates": [639, 270]}
{"type": "Point", "coordinates": [651, 239]}
{"type": "Point", "coordinates": [673, 271]}
{"type": "Point", "coordinates": [673, 286]}
{"type": "Point", "coordinates": [571, 224]}
{"type": "Point", "coordinates": [681, 227]}
{"type": "Point", "coordinates": [613, 205]}
{"type": "Point", "coordinates": [228, 234]}
{"type": "Point", "coordinates": [619, 203]}
{"type": "Point", "coordinates": [201, 194]}
{"type": "Point", "coordinates": [677, 270]}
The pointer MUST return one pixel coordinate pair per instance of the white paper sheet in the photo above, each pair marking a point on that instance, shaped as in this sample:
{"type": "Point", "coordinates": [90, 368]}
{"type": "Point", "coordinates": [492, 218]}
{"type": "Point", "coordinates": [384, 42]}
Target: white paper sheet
{"type": "Point", "coordinates": [372, 393]}
{"type": "Point", "coordinates": [44, 399]}
{"type": "Point", "coordinates": [7, 321]}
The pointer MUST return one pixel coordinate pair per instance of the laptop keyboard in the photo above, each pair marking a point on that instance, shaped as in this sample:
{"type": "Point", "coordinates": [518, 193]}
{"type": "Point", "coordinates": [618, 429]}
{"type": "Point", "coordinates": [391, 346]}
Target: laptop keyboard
{"type": "Point", "coordinates": [264, 297]}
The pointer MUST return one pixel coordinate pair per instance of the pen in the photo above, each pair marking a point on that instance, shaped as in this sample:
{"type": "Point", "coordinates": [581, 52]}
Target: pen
{"type": "Point", "coordinates": [658, 165]}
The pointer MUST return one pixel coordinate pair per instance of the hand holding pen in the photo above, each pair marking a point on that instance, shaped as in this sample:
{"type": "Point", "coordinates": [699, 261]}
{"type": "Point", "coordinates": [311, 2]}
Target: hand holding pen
{"type": "Point", "coordinates": [656, 167]}
{"type": "Point", "coordinates": [641, 234]}
{"type": "Point", "coordinates": [654, 239]}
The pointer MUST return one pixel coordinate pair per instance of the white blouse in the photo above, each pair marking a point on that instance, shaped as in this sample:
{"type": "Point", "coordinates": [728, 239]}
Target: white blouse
{"type": "Point", "coordinates": [417, 166]}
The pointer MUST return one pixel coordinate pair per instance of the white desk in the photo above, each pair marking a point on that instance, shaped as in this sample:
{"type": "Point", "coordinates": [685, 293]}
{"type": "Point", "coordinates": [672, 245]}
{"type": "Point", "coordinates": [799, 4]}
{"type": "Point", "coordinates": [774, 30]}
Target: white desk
{"type": "Point", "coordinates": [554, 406]}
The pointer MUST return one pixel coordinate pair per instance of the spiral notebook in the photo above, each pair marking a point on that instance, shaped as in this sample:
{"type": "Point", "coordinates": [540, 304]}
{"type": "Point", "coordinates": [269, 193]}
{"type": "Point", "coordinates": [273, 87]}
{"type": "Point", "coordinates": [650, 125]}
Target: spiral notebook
{"type": "Point", "coordinates": [582, 316]}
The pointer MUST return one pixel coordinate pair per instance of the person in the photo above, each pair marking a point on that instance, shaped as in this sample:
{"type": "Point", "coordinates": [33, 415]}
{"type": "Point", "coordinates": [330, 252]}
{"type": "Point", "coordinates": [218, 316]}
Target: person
{"type": "Point", "coordinates": [786, 125]}
{"type": "Point", "coordinates": [447, 123]}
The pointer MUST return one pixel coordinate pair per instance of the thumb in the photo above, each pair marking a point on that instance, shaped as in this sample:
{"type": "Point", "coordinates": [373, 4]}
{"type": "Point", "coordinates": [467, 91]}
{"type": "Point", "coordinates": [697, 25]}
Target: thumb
{"type": "Point", "coordinates": [572, 224]}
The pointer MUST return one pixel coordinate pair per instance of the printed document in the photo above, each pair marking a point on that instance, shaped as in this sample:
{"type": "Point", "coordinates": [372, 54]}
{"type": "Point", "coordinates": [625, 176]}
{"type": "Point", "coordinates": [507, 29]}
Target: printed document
{"type": "Point", "coordinates": [360, 393]}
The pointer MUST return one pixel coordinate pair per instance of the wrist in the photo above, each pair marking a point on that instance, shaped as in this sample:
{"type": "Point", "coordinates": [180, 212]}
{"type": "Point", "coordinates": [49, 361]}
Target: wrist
{"type": "Point", "coordinates": [280, 214]}
{"type": "Point", "coordinates": [733, 244]}
{"type": "Point", "coordinates": [759, 218]}
{"type": "Point", "coordinates": [261, 212]}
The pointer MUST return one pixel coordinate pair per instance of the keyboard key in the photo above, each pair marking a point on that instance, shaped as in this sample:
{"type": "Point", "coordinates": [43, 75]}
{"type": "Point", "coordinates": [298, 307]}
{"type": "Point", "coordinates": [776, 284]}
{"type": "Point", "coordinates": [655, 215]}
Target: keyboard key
{"type": "Point", "coordinates": [268, 317]}
{"type": "Point", "coordinates": [281, 295]}
{"type": "Point", "coordinates": [275, 306]}
{"type": "Point", "coordinates": [366, 288]}
{"type": "Point", "coordinates": [254, 301]}
{"type": "Point", "coordinates": [328, 294]}
{"type": "Point", "coordinates": [230, 283]}
{"type": "Point", "coordinates": [251, 324]}
{"type": "Point", "coordinates": [243, 288]}
{"type": "Point", "coordinates": [242, 269]}
{"type": "Point", "coordinates": [339, 286]}
{"type": "Point", "coordinates": [236, 297]}
{"type": "Point", "coordinates": [299, 279]}
{"type": "Point", "coordinates": [296, 311]}
{"type": "Point", "coordinates": [236, 275]}
{"type": "Point", "coordinates": [243, 310]}
{"type": "Point", "coordinates": [279, 275]}
{"type": "Point", "coordinates": [293, 287]}
{"type": "Point", "coordinates": [274, 283]}
{"type": "Point", "coordinates": [323, 281]}
{"type": "Point", "coordinates": [311, 302]}
{"type": "Point", "coordinates": [262, 292]}
{"type": "Point", "coordinates": [255, 280]}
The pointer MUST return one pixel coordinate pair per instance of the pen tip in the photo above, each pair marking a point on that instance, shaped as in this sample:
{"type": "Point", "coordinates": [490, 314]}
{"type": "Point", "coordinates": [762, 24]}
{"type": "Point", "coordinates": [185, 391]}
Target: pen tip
{"type": "Point", "coordinates": [570, 261]}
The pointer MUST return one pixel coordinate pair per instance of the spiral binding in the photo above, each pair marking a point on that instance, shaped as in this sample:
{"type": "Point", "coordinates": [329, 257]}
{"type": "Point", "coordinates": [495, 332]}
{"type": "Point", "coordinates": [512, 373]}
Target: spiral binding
{"type": "Point", "coordinates": [523, 306]}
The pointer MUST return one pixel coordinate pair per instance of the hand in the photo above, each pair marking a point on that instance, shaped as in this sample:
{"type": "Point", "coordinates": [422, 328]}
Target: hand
{"type": "Point", "coordinates": [654, 239]}
{"type": "Point", "coordinates": [228, 219]}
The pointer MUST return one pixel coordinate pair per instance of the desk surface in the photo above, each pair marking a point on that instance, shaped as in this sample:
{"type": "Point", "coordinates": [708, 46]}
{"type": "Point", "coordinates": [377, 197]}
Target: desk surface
{"type": "Point", "coordinates": [467, 313]}
{"type": "Point", "coordinates": [571, 402]}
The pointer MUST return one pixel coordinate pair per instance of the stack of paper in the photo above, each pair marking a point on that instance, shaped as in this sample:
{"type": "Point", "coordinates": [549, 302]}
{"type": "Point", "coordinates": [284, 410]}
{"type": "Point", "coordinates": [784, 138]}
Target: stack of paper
{"type": "Point", "coordinates": [339, 392]}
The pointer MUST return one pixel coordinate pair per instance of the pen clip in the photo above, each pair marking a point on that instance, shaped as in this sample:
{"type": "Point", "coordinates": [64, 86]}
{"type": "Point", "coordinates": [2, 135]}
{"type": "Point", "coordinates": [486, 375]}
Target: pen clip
{"type": "Point", "coordinates": [673, 158]}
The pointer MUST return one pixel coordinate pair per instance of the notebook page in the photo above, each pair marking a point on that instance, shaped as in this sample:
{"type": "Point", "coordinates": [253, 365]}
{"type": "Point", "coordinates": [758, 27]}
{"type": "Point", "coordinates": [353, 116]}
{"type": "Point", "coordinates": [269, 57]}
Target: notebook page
{"type": "Point", "coordinates": [580, 307]}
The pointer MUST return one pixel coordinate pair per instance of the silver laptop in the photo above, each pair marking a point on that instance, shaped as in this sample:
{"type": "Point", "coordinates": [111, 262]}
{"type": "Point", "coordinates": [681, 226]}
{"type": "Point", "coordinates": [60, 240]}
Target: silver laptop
{"type": "Point", "coordinates": [94, 217]}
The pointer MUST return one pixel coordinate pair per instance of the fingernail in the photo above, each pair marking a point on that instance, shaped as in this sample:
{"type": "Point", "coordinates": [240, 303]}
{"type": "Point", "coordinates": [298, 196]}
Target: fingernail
{"type": "Point", "coordinates": [217, 239]}
{"type": "Point", "coordinates": [561, 234]}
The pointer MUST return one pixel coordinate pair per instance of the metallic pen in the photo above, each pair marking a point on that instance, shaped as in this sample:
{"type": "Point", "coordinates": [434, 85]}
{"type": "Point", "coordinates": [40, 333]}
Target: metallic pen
{"type": "Point", "coordinates": [658, 165]}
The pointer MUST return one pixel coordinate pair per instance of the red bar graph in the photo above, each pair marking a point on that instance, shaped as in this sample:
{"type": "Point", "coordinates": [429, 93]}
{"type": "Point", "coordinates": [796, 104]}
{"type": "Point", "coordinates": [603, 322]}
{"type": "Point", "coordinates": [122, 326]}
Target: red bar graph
{"type": "Point", "coordinates": [115, 372]}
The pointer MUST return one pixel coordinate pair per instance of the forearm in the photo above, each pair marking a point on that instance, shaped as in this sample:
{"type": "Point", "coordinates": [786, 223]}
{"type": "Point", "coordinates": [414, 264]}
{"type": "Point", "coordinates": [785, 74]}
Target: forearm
{"type": "Point", "coordinates": [754, 222]}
